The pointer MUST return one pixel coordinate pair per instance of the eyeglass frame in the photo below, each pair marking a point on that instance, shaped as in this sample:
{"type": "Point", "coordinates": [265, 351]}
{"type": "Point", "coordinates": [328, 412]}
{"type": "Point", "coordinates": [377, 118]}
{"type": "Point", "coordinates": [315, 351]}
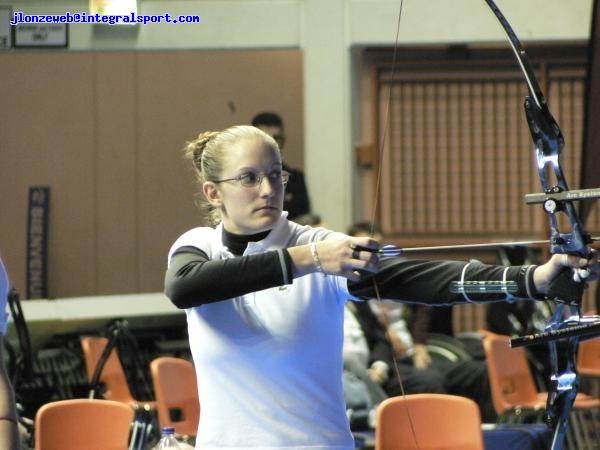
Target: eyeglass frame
{"type": "Point", "coordinates": [284, 177]}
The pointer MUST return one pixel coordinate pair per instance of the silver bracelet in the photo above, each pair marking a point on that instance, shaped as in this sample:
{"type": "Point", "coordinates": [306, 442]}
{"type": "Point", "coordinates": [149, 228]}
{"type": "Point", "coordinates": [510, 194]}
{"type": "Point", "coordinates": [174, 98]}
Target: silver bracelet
{"type": "Point", "coordinates": [316, 259]}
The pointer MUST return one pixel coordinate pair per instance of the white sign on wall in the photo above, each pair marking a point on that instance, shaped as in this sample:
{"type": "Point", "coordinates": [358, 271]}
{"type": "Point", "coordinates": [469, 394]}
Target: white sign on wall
{"type": "Point", "coordinates": [5, 31]}
{"type": "Point", "coordinates": [41, 35]}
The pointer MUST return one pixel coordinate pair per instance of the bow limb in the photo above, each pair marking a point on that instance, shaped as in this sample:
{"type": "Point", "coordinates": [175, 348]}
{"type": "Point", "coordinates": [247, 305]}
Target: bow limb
{"type": "Point", "coordinates": [549, 142]}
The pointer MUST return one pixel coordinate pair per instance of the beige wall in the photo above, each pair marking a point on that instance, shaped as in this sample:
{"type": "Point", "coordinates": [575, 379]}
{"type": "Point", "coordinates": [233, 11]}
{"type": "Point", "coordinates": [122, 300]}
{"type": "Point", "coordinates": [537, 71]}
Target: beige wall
{"type": "Point", "coordinates": [78, 138]}
{"type": "Point", "coordinates": [326, 31]}
{"type": "Point", "coordinates": [105, 131]}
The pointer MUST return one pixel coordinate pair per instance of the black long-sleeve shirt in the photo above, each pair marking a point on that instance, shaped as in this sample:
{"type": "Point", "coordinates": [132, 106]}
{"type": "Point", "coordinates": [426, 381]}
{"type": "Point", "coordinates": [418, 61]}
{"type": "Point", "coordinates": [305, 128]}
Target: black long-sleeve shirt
{"type": "Point", "coordinates": [192, 279]}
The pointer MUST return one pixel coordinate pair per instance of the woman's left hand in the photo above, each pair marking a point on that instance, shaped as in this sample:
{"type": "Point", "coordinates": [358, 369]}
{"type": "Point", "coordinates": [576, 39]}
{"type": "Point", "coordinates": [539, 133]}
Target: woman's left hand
{"type": "Point", "coordinates": [578, 269]}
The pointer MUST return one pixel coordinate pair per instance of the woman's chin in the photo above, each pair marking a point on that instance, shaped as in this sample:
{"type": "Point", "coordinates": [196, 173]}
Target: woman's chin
{"type": "Point", "coordinates": [266, 218]}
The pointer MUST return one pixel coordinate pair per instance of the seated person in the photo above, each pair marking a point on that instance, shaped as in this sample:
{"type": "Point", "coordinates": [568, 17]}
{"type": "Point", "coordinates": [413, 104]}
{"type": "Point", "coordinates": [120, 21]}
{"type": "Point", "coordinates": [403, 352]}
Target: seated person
{"type": "Point", "coordinates": [9, 429]}
{"type": "Point", "coordinates": [404, 347]}
{"type": "Point", "coordinates": [466, 378]}
{"type": "Point", "coordinates": [367, 348]}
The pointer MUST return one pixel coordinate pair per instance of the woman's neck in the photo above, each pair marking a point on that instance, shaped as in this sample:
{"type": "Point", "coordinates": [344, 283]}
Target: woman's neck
{"type": "Point", "coordinates": [237, 243]}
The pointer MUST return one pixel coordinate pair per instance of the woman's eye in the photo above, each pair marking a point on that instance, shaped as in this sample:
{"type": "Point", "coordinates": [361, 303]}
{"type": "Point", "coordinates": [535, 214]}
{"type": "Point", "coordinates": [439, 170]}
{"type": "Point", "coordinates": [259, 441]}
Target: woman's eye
{"type": "Point", "coordinates": [249, 179]}
{"type": "Point", "coordinates": [275, 175]}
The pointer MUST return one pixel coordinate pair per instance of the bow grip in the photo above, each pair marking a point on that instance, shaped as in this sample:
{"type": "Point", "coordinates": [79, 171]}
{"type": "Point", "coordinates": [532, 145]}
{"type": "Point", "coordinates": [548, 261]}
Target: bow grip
{"type": "Point", "coordinates": [564, 289]}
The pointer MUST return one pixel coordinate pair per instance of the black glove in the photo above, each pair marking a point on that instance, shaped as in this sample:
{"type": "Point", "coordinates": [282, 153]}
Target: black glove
{"type": "Point", "coordinates": [564, 289]}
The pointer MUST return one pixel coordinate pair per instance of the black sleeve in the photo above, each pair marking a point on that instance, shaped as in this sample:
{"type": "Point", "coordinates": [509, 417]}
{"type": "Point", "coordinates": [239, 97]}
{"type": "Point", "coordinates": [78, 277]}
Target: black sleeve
{"type": "Point", "coordinates": [428, 282]}
{"type": "Point", "coordinates": [192, 279]}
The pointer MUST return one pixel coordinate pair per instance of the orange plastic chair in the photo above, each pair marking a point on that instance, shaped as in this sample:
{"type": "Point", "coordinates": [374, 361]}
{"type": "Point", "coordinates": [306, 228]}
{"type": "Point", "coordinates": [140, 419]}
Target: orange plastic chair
{"type": "Point", "coordinates": [515, 396]}
{"type": "Point", "coordinates": [428, 422]}
{"type": "Point", "coordinates": [588, 358]}
{"type": "Point", "coordinates": [113, 376]}
{"type": "Point", "coordinates": [511, 382]}
{"type": "Point", "coordinates": [77, 424]}
{"type": "Point", "coordinates": [176, 390]}
{"type": "Point", "coordinates": [588, 365]}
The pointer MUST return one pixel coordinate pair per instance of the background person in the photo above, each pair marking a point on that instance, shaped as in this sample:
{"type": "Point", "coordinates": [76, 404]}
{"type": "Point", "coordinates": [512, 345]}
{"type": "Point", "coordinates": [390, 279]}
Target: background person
{"type": "Point", "coordinates": [296, 200]}
{"type": "Point", "coordinates": [397, 335]}
{"type": "Point", "coordinates": [9, 421]}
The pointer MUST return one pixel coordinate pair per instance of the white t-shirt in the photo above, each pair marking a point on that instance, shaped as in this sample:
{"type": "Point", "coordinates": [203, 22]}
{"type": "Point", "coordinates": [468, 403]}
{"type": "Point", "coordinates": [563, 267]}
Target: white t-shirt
{"type": "Point", "coordinates": [269, 364]}
{"type": "Point", "coordinates": [355, 343]}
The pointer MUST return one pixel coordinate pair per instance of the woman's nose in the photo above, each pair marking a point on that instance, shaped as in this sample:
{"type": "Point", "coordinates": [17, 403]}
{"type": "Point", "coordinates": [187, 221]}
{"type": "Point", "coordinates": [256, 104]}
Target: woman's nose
{"type": "Point", "coordinates": [267, 187]}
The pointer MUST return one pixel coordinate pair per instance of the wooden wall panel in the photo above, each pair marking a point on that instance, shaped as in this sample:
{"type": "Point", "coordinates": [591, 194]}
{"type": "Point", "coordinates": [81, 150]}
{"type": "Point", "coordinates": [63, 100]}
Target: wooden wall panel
{"type": "Point", "coordinates": [116, 172]}
{"type": "Point", "coordinates": [458, 155]}
{"type": "Point", "coordinates": [458, 159]}
{"type": "Point", "coordinates": [46, 135]}
{"type": "Point", "coordinates": [105, 131]}
{"type": "Point", "coordinates": [181, 94]}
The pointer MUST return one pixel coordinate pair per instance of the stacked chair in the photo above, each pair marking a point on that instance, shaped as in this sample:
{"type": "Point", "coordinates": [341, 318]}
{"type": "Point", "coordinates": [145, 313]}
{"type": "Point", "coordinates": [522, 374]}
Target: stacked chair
{"type": "Point", "coordinates": [176, 390]}
{"type": "Point", "coordinates": [516, 399]}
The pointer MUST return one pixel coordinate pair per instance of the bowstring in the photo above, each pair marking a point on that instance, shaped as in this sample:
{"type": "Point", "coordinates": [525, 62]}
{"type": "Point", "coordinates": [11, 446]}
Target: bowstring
{"type": "Point", "coordinates": [384, 134]}
{"type": "Point", "coordinates": [386, 121]}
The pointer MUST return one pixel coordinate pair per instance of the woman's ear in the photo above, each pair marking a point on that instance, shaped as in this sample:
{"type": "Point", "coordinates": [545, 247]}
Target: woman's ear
{"type": "Point", "coordinates": [212, 194]}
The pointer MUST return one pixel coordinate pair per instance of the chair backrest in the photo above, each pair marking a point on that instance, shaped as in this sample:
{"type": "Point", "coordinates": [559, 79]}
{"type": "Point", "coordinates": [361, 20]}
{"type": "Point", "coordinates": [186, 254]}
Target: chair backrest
{"type": "Point", "coordinates": [511, 381]}
{"type": "Point", "coordinates": [113, 375]}
{"type": "Point", "coordinates": [588, 357]}
{"type": "Point", "coordinates": [428, 422]}
{"type": "Point", "coordinates": [77, 424]}
{"type": "Point", "coordinates": [176, 390]}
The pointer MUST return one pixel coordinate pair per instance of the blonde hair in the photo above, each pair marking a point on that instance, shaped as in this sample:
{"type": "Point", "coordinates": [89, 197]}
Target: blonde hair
{"type": "Point", "coordinates": [208, 152]}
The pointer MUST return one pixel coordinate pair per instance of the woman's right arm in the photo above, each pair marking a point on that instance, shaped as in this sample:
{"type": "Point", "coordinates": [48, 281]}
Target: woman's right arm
{"type": "Point", "coordinates": [193, 280]}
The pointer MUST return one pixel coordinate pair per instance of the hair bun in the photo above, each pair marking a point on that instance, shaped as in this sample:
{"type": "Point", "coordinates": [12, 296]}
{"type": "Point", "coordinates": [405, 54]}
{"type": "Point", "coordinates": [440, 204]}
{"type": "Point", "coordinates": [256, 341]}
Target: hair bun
{"type": "Point", "coordinates": [195, 148]}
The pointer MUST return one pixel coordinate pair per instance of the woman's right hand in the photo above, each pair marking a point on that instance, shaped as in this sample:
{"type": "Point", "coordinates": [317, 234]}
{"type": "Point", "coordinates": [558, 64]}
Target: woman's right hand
{"type": "Point", "coordinates": [343, 257]}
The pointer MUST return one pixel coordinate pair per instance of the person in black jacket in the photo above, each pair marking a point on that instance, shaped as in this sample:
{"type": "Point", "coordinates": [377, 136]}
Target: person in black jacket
{"type": "Point", "coordinates": [296, 200]}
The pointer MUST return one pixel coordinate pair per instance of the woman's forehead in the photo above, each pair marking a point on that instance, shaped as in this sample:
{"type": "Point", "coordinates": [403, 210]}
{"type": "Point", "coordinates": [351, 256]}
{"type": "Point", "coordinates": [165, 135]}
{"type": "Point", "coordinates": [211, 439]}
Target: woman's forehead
{"type": "Point", "coordinates": [253, 152]}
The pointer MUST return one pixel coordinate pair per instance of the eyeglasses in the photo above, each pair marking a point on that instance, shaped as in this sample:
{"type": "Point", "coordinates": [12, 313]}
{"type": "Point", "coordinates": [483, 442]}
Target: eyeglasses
{"type": "Point", "coordinates": [253, 179]}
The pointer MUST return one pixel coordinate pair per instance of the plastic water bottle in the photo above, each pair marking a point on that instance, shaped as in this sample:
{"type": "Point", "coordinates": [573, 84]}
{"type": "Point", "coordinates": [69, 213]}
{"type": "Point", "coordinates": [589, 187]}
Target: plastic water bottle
{"type": "Point", "coordinates": [167, 440]}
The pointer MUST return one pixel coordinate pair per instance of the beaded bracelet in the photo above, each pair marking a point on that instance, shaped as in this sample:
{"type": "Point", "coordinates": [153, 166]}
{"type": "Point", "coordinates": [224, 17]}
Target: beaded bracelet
{"type": "Point", "coordinates": [316, 259]}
